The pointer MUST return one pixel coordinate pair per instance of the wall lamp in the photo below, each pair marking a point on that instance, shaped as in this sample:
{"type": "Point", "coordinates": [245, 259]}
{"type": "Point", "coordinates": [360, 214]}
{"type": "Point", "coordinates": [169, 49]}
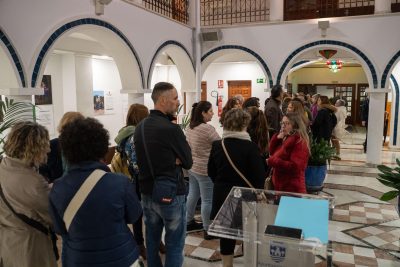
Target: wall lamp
{"type": "Point", "coordinates": [323, 25]}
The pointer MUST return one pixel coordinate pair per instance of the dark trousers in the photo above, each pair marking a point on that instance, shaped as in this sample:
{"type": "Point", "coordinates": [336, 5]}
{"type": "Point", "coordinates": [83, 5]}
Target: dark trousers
{"type": "Point", "coordinates": [138, 225]}
{"type": "Point", "coordinates": [227, 246]}
{"type": "Point", "coordinates": [366, 138]}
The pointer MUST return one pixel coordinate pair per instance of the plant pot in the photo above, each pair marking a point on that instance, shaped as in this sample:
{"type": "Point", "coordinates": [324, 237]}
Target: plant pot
{"type": "Point", "coordinates": [315, 177]}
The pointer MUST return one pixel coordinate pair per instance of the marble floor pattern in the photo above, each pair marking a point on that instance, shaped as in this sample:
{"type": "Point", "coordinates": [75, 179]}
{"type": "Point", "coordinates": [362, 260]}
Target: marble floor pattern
{"type": "Point", "coordinates": [364, 231]}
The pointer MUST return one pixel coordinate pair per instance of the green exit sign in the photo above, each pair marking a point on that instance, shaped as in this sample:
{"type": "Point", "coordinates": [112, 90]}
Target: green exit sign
{"type": "Point", "coordinates": [260, 80]}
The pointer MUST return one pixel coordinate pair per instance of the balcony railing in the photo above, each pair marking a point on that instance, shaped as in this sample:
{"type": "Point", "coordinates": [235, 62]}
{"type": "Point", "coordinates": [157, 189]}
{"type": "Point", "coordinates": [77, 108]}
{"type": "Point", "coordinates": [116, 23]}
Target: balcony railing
{"type": "Point", "coordinates": [174, 9]}
{"type": "Point", "coordinates": [311, 9]}
{"type": "Point", "coordinates": [228, 12]}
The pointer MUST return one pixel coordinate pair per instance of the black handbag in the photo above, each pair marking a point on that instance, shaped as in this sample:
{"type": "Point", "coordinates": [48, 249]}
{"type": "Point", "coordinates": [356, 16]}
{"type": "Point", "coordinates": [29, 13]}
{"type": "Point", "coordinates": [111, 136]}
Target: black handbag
{"type": "Point", "coordinates": [33, 223]}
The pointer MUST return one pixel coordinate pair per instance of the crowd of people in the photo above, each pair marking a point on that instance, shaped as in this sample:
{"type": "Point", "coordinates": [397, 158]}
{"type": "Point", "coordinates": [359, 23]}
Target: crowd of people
{"type": "Point", "coordinates": [64, 187]}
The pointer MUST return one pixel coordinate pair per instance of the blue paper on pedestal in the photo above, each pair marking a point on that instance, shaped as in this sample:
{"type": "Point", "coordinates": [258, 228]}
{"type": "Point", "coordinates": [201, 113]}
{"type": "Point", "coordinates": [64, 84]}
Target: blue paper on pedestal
{"type": "Point", "coordinates": [310, 215]}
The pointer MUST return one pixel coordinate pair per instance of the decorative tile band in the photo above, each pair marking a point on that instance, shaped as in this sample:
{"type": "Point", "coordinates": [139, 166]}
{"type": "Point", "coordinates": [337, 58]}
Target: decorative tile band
{"type": "Point", "coordinates": [391, 63]}
{"type": "Point", "coordinates": [73, 24]}
{"type": "Point", "coordinates": [14, 56]}
{"type": "Point", "coordinates": [396, 109]}
{"type": "Point", "coordinates": [170, 42]}
{"type": "Point", "coordinates": [245, 49]}
{"type": "Point", "coordinates": [330, 42]}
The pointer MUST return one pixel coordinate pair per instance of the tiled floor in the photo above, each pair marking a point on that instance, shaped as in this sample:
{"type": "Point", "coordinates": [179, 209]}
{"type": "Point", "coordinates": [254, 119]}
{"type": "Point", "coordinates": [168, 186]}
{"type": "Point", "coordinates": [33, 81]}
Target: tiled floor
{"type": "Point", "coordinates": [365, 231]}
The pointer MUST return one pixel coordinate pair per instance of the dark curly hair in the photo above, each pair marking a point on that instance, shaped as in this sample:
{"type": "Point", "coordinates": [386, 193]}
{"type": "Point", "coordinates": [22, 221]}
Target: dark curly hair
{"type": "Point", "coordinates": [84, 139]}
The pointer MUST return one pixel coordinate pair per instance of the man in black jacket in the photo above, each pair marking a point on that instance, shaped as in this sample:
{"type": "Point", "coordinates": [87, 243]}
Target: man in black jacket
{"type": "Point", "coordinates": [167, 153]}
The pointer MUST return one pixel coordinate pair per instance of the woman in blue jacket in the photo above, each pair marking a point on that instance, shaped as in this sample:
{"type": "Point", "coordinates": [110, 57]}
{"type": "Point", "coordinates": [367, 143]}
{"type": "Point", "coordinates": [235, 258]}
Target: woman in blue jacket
{"type": "Point", "coordinates": [98, 234]}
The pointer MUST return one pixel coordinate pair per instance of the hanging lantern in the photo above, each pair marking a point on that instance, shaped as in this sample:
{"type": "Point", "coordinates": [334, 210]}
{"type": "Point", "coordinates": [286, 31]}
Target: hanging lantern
{"type": "Point", "coordinates": [327, 53]}
{"type": "Point", "coordinates": [334, 65]}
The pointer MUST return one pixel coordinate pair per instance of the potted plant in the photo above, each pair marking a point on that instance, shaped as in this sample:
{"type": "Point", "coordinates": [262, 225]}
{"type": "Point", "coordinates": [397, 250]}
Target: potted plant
{"type": "Point", "coordinates": [12, 112]}
{"type": "Point", "coordinates": [391, 178]}
{"type": "Point", "coordinates": [183, 120]}
{"type": "Point", "coordinates": [321, 155]}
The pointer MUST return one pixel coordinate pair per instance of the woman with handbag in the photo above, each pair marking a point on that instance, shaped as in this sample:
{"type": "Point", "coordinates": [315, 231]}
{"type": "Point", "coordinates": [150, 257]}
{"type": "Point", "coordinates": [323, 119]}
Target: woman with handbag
{"type": "Point", "coordinates": [234, 161]}
{"type": "Point", "coordinates": [289, 151]}
{"type": "Point", "coordinates": [24, 217]}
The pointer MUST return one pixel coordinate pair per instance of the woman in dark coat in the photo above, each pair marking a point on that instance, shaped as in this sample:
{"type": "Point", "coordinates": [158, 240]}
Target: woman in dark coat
{"type": "Point", "coordinates": [245, 155]}
{"type": "Point", "coordinates": [323, 124]}
{"type": "Point", "coordinates": [289, 151]}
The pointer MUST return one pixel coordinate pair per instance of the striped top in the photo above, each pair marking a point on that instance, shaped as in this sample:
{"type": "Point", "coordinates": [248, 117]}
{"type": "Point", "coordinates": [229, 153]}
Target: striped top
{"type": "Point", "coordinates": [200, 140]}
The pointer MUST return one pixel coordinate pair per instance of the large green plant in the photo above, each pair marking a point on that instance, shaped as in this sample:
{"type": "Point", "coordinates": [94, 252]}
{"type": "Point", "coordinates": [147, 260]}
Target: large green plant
{"type": "Point", "coordinates": [391, 178]}
{"type": "Point", "coordinates": [321, 153]}
{"type": "Point", "coordinates": [12, 112]}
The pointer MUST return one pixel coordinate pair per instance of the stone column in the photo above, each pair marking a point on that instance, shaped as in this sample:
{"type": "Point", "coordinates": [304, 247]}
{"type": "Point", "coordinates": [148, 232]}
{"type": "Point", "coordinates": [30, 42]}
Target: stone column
{"type": "Point", "coordinates": [276, 10]}
{"type": "Point", "coordinates": [383, 6]}
{"type": "Point", "coordinates": [375, 125]}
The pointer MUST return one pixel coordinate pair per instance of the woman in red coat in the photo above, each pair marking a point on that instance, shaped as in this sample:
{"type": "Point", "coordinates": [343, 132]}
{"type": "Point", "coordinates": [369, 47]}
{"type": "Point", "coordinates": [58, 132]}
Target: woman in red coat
{"type": "Point", "coordinates": [289, 151]}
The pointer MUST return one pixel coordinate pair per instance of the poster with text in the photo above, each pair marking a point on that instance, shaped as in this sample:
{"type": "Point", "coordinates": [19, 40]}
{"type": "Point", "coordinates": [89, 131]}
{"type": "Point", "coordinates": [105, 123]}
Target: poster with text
{"type": "Point", "coordinates": [45, 117]}
{"type": "Point", "coordinates": [98, 102]}
{"type": "Point", "coordinates": [46, 98]}
{"type": "Point", "coordinates": [109, 103]}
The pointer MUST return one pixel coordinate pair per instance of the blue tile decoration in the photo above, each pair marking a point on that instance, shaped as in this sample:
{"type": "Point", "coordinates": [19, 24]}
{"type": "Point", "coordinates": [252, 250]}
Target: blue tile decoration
{"type": "Point", "coordinates": [57, 33]}
{"type": "Point", "coordinates": [396, 109]}
{"type": "Point", "coordinates": [245, 49]}
{"type": "Point", "coordinates": [169, 42]}
{"type": "Point", "coordinates": [14, 56]}
{"type": "Point", "coordinates": [336, 43]}
{"type": "Point", "coordinates": [388, 67]}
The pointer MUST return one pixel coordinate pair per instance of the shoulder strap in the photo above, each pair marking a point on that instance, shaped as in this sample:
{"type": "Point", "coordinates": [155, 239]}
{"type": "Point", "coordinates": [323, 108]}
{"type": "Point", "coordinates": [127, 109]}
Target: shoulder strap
{"type": "Point", "coordinates": [31, 222]}
{"type": "Point", "coordinates": [233, 165]}
{"type": "Point", "coordinates": [146, 151]}
{"type": "Point", "coordinates": [80, 196]}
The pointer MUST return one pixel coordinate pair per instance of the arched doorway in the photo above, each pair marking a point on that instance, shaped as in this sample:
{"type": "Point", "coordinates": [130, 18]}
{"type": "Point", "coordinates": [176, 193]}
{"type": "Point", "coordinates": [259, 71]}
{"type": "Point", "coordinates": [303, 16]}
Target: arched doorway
{"type": "Point", "coordinates": [89, 61]}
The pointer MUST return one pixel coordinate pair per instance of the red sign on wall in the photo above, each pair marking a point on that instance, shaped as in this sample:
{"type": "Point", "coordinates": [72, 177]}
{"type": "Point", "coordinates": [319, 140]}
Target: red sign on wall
{"type": "Point", "coordinates": [220, 83]}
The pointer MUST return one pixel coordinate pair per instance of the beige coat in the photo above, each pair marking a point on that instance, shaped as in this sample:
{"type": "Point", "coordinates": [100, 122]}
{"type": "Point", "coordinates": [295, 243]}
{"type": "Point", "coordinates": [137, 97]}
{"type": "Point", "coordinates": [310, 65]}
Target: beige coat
{"type": "Point", "coordinates": [27, 192]}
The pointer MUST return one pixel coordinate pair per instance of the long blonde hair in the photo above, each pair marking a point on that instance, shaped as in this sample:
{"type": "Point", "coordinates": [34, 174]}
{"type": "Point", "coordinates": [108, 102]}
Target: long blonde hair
{"type": "Point", "coordinates": [298, 125]}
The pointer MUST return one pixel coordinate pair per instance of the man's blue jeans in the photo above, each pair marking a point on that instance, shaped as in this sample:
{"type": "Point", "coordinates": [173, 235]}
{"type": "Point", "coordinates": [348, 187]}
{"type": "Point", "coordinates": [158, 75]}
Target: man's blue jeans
{"type": "Point", "coordinates": [173, 217]}
{"type": "Point", "coordinates": [200, 185]}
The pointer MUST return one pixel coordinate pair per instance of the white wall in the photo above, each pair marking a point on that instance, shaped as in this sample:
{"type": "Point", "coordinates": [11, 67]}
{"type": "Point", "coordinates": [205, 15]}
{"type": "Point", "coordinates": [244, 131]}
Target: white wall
{"type": "Point", "coordinates": [231, 72]}
{"type": "Point", "coordinates": [106, 78]}
{"type": "Point", "coordinates": [79, 80]}
{"type": "Point", "coordinates": [8, 77]}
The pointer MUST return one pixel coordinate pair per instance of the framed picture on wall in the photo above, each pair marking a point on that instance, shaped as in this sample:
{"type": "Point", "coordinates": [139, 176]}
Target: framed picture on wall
{"type": "Point", "coordinates": [46, 98]}
{"type": "Point", "coordinates": [98, 102]}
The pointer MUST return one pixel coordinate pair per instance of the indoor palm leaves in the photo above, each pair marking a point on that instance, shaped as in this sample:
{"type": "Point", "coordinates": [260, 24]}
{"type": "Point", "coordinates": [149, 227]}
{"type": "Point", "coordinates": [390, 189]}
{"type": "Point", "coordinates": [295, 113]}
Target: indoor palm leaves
{"type": "Point", "coordinates": [391, 178]}
{"type": "Point", "coordinates": [12, 112]}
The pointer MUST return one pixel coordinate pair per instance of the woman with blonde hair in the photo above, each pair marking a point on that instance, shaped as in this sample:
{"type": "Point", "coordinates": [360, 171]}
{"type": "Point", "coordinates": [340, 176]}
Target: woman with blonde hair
{"type": "Point", "coordinates": [289, 152]}
{"type": "Point", "coordinates": [297, 107]}
{"type": "Point", "coordinates": [55, 166]}
{"type": "Point", "coordinates": [24, 194]}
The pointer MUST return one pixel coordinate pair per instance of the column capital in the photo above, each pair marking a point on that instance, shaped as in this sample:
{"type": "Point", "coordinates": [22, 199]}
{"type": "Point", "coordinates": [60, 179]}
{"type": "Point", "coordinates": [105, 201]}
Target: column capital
{"type": "Point", "coordinates": [22, 91]}
{"type": "Point", "coordinates": [135, 91]}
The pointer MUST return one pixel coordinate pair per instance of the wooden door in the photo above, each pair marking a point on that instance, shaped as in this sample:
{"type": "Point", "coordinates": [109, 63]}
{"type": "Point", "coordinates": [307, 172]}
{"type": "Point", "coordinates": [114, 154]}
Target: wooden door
{"type": "Point", "coordinates": [239, 88]}
{"type": "Point", "coordinates": [307, 88]}
{"type": "Point", "coordinates": [359, 99]}
{"type": "Point", "coordinates": [347, 91]}
{"type": "Point", "coordinates": [203, 96]}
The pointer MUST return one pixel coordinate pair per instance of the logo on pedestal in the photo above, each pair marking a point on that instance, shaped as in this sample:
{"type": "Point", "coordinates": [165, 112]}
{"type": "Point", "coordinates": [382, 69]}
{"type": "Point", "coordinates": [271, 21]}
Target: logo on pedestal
{"type": "Point", "coordinates": [277, 251]}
